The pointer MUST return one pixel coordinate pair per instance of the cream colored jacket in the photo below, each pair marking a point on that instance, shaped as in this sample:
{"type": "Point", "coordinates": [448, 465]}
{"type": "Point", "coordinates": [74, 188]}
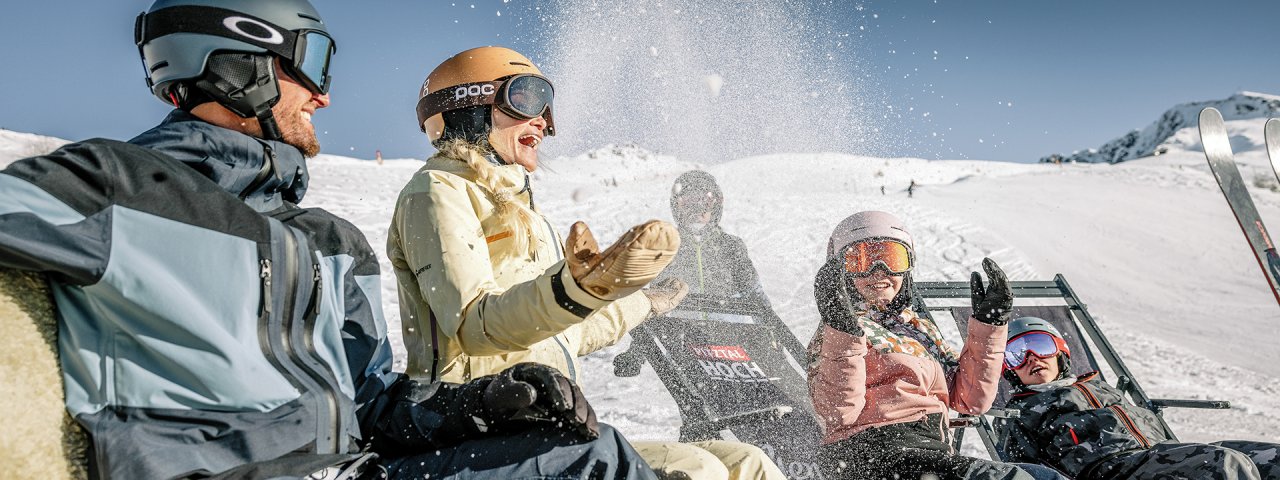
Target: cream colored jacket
{"type": "Point", "coordinates": [483, 282]}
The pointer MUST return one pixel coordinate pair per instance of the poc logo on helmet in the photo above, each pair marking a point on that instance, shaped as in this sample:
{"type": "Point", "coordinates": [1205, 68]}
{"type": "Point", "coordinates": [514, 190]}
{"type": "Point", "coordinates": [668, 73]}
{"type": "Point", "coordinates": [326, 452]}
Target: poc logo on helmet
{"type": "Point", "coordinates": [465, 91]}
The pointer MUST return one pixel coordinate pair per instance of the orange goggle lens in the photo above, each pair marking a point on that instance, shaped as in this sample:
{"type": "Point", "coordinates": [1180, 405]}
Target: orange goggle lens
{"type": "Point", "coordinates": [861, 257]}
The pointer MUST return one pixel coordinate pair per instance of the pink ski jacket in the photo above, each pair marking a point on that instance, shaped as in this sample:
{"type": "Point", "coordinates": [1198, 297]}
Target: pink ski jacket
{"type": "Point", "coordinates": [855, 387]}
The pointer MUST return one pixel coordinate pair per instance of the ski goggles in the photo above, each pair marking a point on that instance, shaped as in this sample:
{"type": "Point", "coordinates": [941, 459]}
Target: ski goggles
{"type": "Point", "coordinates": [525, 96]}
{"type": "Point", "coordinates": [1041, 344]}
{"type": "Point", "coordinates": [861, 258]}
{"type": "Point", "coordinates": [311, 59]}
{"type": "Point", "coordinates": [305, 53]}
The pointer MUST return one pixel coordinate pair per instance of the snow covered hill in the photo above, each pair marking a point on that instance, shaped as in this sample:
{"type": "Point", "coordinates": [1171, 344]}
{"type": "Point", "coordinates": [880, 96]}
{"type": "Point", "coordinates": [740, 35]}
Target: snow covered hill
{"type": "Point", "coordinates": [1152, 139]}
{"type": "Point", "coordinates": [1150, 245]}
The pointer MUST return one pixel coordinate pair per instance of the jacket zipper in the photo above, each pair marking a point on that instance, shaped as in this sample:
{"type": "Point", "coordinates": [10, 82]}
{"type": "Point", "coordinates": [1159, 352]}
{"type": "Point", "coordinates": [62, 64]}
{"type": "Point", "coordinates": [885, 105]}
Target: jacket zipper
{"type": "Point", "coordinates": [1124, 418]}
{"type": "Point", "coordinates": [1133, 428]}
{"type": "Point", "coordinates": [330, 418]}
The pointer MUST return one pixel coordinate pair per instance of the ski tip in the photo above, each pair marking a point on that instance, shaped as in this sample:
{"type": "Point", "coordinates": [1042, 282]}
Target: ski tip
{"type": "Point", "coordinates": [1210, 114]}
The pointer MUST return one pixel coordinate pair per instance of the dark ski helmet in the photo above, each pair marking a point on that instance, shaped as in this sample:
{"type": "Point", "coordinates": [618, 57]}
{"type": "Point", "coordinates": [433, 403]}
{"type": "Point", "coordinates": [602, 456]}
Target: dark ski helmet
{"type": "Point", "coordinates": [196, 51]}
{"type": "Point", "coordinates": [456, 99]}
{"type": "Point", "coordinates": [1023, 325]}
{"type": "Point", "coordinates": [700, 184]}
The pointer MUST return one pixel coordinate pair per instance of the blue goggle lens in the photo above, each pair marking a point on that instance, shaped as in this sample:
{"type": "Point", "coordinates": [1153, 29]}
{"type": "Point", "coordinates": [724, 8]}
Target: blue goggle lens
{"type": "Point", "coordinates": [313, 59]}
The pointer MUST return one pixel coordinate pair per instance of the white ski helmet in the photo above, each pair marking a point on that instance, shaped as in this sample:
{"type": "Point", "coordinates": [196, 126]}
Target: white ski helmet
{"type": "Point", "coordinates": [867, 225]}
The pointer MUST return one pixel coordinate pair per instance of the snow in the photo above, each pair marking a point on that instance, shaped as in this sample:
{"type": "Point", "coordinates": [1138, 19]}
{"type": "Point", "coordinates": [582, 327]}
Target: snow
{"type": "Point", "coordinates": [1149, 244]}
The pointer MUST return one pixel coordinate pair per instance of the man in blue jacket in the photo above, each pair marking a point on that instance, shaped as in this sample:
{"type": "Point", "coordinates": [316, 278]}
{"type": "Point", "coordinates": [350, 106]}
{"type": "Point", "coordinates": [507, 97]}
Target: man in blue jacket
{"type": "Point", "coordinates": [210, 326]}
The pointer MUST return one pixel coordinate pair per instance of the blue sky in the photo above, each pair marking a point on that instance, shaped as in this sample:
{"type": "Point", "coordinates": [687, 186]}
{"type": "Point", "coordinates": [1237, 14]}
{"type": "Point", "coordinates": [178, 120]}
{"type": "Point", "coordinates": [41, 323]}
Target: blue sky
{"type": "Point", "coordinates": [1010, 80]}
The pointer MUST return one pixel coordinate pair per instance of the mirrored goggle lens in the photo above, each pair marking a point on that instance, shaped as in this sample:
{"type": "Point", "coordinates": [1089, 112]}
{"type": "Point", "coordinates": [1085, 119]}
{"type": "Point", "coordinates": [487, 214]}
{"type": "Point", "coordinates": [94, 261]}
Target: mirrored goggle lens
{"type": "Point", "coordinates": [861, 257]}
{"type": "Point", "coordinates": [1018, 350]}
{"type": "Point", "coordinates": [529, 96]}
{"type": "Point", "coordinates": [317, 50]}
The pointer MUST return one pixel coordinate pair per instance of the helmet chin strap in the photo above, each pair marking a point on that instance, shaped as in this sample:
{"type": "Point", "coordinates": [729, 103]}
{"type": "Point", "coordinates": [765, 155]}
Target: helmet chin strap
{"type": "Point", "coordinates": [247, 85]}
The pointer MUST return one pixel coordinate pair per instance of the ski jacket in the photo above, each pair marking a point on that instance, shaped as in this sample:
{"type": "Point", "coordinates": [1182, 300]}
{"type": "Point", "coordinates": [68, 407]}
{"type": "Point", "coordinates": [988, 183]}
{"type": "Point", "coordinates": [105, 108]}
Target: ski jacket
{"type": "Point", "coordinates": [715, 263]}
{"type": "Point", "coordinates": [856, 388]}
{"type": "Point", "coordinates": [483, 282]}
{"type": "Point", "coordinates": [1076, 426]}
{"type": "Point", "coordinates": [206, 322]}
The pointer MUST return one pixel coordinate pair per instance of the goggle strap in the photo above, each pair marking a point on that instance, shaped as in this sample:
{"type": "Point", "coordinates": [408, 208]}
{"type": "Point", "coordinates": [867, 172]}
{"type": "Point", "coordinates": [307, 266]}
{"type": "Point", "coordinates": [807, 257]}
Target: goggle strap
{"type": "Point", "coordinates": [459, 96]}
{"type": "Point", "coordinates": [213, 21]}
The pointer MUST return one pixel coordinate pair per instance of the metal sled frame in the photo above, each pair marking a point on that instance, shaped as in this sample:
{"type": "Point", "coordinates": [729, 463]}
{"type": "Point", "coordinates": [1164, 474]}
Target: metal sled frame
{"type": "Point", "coordinates": [937, 293]}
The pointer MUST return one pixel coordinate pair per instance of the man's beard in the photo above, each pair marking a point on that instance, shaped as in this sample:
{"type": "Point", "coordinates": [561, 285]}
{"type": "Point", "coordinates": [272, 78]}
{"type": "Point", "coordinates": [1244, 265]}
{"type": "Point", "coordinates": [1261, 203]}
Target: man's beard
{"type": "Point", "coordinates": [295, 132]}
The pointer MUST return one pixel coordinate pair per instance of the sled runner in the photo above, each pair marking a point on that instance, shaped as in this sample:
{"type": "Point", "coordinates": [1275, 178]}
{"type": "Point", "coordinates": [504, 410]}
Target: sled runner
{"type": "Point", "coordinates": [1055, 302]}
{"type": "Point", "coordinates": [736, 373]}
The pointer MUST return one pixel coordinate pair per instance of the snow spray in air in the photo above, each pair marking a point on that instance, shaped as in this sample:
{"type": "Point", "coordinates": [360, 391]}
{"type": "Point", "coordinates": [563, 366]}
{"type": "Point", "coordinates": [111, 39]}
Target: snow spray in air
{"type": "Point", "coordinates": [707, 81]}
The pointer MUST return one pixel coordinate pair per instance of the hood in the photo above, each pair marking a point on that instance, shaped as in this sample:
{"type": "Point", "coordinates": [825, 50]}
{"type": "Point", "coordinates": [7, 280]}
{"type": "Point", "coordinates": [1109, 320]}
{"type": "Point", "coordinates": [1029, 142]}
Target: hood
{"type": "Point", "coordinates": [263, 173]}
{"type": "Point", "coordinates": [698, 181]}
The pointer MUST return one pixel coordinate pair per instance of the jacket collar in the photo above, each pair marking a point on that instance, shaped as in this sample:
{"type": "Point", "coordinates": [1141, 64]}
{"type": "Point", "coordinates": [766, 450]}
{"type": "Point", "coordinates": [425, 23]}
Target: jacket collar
{"type": "Point", "coordinates": [263, 173]}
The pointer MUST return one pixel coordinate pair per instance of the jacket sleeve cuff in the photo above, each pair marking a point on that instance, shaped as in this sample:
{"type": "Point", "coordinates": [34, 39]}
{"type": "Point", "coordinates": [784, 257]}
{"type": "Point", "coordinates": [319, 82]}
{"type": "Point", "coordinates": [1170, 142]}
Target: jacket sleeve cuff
{"type": "Point", "coordinates": [837, 344]}
{"type": "Point", "coordinates": [987, 338]}
{"type": "Point", "coordinates": [570, 296]}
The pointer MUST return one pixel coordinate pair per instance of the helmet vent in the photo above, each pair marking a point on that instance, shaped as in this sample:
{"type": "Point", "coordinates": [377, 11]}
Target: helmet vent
{"type": "Point", "coordinates": [159, 65]}
{"type": "Point", "coordinates": [521, 64]}
{"type": "Point", "coordinates": [309, 17]}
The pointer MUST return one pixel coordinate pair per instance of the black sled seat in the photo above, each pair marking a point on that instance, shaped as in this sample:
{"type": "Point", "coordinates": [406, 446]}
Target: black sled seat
{"type": "Point", "coordinates": [1055, 302]}
{"type": "Point", "coordinates": [735, 371]}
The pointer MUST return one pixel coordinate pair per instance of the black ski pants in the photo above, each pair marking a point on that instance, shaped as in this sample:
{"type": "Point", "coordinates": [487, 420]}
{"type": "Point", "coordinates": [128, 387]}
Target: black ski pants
{"type": "Point", "coordinates": [542, 453]}
{"type": "Point", "coordinates": [909, 451]}
{"type": "Point", "coordinates": [1229, 460]}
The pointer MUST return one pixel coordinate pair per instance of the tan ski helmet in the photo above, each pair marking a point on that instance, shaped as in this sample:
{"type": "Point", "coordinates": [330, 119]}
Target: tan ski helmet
{"type": "Point", "coordinates": [475, 66]}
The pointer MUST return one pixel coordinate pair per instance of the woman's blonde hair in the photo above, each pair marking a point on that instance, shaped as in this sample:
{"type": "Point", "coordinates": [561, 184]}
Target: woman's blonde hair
{"type": "Point", "coordinates": [518, 215]}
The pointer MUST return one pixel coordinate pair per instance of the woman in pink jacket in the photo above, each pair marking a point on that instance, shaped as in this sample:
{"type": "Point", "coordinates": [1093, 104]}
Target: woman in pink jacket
{"type": "Point", "coordinates": [882, 378]}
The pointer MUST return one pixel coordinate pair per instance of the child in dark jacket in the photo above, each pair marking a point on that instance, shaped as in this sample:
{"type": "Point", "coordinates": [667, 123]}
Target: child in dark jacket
{"type": "Point", "coordinates": [1086, 429]}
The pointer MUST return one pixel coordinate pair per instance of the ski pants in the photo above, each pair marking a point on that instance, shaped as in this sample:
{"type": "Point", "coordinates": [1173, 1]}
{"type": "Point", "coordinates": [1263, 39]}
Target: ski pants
{"type": "Point", "coordinates": [1229, 460]}
{"type": "Point", "coordinates": [540, 453]}
{"type": "Point", "coordinates": [709, 460]}
{"type": "Point", "coordinates": [913, 450]}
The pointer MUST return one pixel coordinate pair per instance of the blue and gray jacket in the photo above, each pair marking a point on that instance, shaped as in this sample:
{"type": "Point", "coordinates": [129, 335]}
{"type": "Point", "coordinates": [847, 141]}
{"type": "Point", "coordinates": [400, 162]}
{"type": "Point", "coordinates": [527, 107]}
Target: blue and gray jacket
{"type": "Point", "coordinates": [206, 321]}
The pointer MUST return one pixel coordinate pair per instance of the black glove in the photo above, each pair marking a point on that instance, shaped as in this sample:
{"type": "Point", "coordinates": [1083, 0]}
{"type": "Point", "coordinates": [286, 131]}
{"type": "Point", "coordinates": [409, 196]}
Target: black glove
{"type": "Point", "coordinates": [832, 307]}
{"type": "Point", "coordinates": [532, 392]}
{"type": "Point", "coordinates": [992, 305]}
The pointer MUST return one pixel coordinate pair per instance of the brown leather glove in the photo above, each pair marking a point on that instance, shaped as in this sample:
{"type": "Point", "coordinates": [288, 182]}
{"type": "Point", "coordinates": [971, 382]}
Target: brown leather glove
{"type": "Point", "coordinates": [627, 265]}
{"type": "Point", "coordinates": [665, 295]}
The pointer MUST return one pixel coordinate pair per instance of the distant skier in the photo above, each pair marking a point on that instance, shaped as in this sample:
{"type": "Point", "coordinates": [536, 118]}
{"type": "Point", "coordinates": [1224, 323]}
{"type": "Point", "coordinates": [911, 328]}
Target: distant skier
{"type": "Point", "coordinates": [711, 261]}
{"type": "Point", "coordinates": [911, 189]}
{"type": "Point", "coordinates": [484, 280]}
{"type": "Point", "coordinates": [883, 379]}
{"type": "Point", "coordinates": [1085, 428]}
{"type": "Point", "coordinates": [882, 190]}
{"type": "Point", "coordinates": [377, 156]}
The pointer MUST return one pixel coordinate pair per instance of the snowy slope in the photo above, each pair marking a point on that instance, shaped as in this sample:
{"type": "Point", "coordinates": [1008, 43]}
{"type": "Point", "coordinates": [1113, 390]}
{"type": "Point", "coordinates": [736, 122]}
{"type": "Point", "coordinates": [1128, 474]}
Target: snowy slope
{"type": "Point", "coordinates": [1150, 140]}
{"type": "Point", "coordinates": [1149, 244]}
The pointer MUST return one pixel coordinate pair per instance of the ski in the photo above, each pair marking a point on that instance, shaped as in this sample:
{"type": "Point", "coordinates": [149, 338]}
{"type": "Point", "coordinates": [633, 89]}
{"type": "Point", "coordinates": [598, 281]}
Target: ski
{"type": "Point", "coordinates": [1217, 150]}
{"type": "Point", "coordinates": [1273, 144]}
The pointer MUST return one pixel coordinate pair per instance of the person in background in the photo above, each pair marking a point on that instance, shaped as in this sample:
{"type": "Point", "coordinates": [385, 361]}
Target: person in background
{"type": "Point", "coordinates": [711, 261]}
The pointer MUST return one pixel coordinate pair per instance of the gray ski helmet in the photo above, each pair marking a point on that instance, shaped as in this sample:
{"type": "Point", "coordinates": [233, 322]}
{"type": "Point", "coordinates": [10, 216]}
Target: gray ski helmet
{"type": "Point", "coordinates": [176, 39]}
{"type": "Point", "coordinates": [866, 225]}
{"type": "Point", "coordinates": [697, 182]}
{"type": "Point", "coordinates": [1023, 325]}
